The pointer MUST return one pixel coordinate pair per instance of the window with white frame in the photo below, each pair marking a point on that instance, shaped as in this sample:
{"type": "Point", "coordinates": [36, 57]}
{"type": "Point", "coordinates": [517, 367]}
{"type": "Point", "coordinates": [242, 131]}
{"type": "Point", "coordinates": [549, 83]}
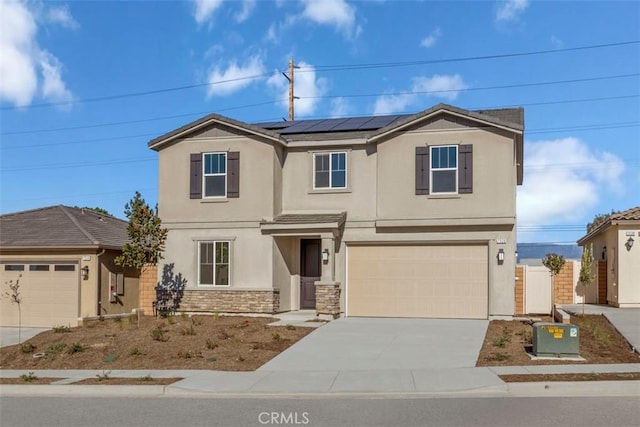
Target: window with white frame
{"type": "Point", "coordinates": [213, 263]}
{"type": "Point", "coordinates": [444, 169]}
{"type": "Point", "coordinates": [214, 174]}
{"type": "Point", "coordinates": [330, 170]}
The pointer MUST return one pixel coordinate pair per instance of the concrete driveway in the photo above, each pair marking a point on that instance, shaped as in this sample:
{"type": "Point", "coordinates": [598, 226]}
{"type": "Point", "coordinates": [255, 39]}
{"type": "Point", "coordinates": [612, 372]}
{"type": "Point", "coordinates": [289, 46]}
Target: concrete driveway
{"type": "Point", "coordinates": [380, 343]}
{"type": "Point", "coordinates": [9, 335]}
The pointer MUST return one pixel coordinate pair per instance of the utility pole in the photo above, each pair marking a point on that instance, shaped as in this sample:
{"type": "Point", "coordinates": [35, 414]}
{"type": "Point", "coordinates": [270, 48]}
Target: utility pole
{"type": "Point", "coordinates": [292, 98]}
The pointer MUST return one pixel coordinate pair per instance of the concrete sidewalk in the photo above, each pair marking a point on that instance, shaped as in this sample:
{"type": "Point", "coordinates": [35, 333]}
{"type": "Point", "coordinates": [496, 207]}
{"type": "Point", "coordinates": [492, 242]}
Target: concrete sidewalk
{"type": "Point", "coordinates": [390, 381]}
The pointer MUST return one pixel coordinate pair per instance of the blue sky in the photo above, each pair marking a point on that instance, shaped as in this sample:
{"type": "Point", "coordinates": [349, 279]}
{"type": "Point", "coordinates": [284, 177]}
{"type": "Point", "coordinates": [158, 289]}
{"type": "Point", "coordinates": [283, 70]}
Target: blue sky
{"type": "Point", "coordinates": [74, 126]}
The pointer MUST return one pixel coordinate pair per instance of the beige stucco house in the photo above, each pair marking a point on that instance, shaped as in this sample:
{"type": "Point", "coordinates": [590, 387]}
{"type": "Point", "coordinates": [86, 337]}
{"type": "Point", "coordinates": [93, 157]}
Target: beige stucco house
{"type": "Point", "coordinates": [616, 250]}
{"type": "Point", "coordinates": [64, 259]}
{"type": "Point", "coordinates": [397, 216]}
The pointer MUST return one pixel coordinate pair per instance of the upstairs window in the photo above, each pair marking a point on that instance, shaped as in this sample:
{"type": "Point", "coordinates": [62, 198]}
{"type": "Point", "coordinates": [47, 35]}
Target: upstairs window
{"type": "Point", "coordinates": [330, 170]}
{"type": "Point", "coordinates": [215, 174]}
{"type": "Point", "coordinates": [444, 169]}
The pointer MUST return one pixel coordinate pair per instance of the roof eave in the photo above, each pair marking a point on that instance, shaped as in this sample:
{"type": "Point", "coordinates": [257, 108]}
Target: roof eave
{"type": "Point", "coordinates": [7, 248]}
{"type": "Point", "coordinates": [157, 143]}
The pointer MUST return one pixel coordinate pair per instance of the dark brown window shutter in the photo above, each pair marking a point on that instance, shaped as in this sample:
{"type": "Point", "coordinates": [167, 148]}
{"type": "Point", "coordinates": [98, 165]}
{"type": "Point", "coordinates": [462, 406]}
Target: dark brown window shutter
{"type": "Point", "coordinates": [465, 169]}
{"type": "Point", "coordinates": [422, 170]}
{"type": "Point", "coordinates": [195, 181]}
{"type": "Point", "coordinates": [233, 174]}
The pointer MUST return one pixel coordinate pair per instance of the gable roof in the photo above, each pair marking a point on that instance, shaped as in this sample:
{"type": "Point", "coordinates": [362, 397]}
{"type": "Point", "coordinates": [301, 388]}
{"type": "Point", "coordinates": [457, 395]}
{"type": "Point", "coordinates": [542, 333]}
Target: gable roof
{"type": "Point", "coordinates": [630, 215]}
{"type": "Point", "coordinates": [61, 227]}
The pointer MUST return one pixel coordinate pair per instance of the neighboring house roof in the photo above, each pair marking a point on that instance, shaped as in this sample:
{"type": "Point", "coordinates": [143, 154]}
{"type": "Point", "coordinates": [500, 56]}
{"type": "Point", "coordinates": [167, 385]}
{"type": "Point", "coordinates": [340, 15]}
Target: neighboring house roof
{"type": "Point", "coordinates": [61, 227]}
{"type": "Point", "coordinates": [371, 127]}
{"type": "Point", "coordinates": [625, 217]}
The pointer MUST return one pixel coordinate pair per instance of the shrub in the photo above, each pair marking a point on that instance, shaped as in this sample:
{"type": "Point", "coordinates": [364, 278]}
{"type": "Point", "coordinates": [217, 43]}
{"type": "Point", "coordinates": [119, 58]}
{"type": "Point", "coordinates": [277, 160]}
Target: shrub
{"type": "Point", "coordinates": [188, 331]}
{"type": "Point", "coordinates": [211, 344]}
{"type": "Point", "coordinates": [110, 358]}
{"type": "Point", "coordinates": [28, 377]}
{"type": "Point", "coordinates": [27, 347]}
{"type": "Point", "coordinates": [61, 329]}
{"type": "Point", "coordinates": [196, 321]}
{"type": "Point", "coordinates": [146, 378]}
{"type": "Point", "coordinates": [135, 351]}
{"type": "Point", "coordinates": [106, 375]}
{"type": "Point", "coordinates": [276, 336]}
{"type": "Point", "coordinates": [224, 335]}
{"type": "Point", "coordinates": [291, 328]}
{"type": "Point", "coordinates": [172, 320]}
{"type": "Point", "coordinates": [55, 348]}
{"type": "Point", "coordinates": [158, 334]}
{"type": "Point", "coordinates": [76, 348]}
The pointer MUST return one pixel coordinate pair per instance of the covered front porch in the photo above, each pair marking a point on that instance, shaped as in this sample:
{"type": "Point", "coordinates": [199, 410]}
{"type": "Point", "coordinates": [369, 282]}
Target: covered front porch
{"type": "Point", "coordinates": [305, 248]}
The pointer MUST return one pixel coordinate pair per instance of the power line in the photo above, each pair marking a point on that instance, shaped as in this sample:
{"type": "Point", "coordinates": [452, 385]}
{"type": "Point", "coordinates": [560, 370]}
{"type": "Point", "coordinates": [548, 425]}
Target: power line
{"type": "Point", "coordinates": [31, 131]}
{"type": "Point", "coordinates": [461, 59]}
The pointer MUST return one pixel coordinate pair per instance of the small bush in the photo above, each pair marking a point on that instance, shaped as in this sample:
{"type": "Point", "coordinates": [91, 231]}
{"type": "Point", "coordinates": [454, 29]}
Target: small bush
{"type": "Point", "coordinates": [500, 342]}
{"type": "Point", "coordinates": [27, 348]}
{"type": "Point", "coordinates": [241, 358]}
{"type": "Point", "coordinates": [135, 351]}
{"type": "Point", "coordinates": [90, 324]}
{"type": "Point", "coordinates": [146, 378]}
{"type": "Point", "coordinates": [275, 337]}
{"type": "Point", "coordinates": [500, 356]}
{"type": "Point", "coordinates": [224, 335]}
{"type": "Point", "coordinates": [216, 315]}
{"type": "Point", "coordinates": [55, 348]}
{"type": "Point", "coordinates": [117, 319]}
{"type": "Point", "coordinates": [106, 375]}
{"type": "Point", "coordinates": [188, 331]}
{"type": "Point", "coordinates": [211, 359]}
{"type": "Point", "coordinates": [28, 377]}
{"type": "Point", "coordinates": [211, 344]}
{"type": "Point", "coordinates": [110, 358]}
{"type": "Point", "coordinates": [290, 328]}
{"type": "Point", "coordinates": [172, 320]}
{"type": "Point", "coordinates": [61, 329]}
{"type": "Point", "coordinates": [159, 334]}
{"type": "Point", "coordinates": [76, 348]}
{"type": "Point", "coordinates": [196, 321]}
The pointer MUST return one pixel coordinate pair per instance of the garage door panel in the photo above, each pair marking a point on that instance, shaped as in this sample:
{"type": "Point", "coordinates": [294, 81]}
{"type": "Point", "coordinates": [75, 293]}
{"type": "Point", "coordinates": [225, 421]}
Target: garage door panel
{"type": "Point", "coordinates": [49, 298]}
{"type": "Point", "coordinates": [418, 281]}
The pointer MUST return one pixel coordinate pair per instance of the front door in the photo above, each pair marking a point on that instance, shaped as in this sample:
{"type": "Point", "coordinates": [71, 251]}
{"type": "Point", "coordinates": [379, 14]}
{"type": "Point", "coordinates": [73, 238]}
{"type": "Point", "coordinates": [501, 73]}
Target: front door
{"type": "Point", "coordinates": [309, 271]}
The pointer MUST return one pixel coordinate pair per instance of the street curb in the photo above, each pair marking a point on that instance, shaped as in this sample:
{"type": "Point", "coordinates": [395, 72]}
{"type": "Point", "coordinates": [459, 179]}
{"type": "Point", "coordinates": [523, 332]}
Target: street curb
{"type": "Point", "coordinates": [83, 390]}
{"type": "Point", "coordinates": [575, 388]}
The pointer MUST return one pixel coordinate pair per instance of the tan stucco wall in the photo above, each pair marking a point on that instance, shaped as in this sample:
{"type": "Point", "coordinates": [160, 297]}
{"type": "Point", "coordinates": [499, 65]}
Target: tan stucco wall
{"type": "Point", "coordinates": [125, 303]}
{"type": "Point", "coordinates": [251, 255]}
{"type": "Point", "coordinates": [257, 163]}
{"type": "Point", "coordinates": [358, 199]}
{"type": "Point", "coordinates": [494, 177]}
{"type": "Point", "coordinates": [628, 267]}
{"type": "Point", "coordinates": [285, 271]}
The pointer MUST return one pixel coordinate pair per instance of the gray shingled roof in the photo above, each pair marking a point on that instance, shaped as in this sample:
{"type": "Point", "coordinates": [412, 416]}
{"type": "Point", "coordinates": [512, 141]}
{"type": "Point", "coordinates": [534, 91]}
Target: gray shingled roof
{"type": "Point", "coordinates": [310, 218]}
{"type": "Point", "coordinates": [61, 227]}
{"type": "Point", "coordinates": [632, 214]}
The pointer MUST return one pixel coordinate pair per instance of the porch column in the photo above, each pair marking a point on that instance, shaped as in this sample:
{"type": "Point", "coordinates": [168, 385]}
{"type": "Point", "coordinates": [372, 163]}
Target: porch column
{"type": "Point", "coordinates": [328, 270]}
{"type": "Point", "coordinates": [327, 289]}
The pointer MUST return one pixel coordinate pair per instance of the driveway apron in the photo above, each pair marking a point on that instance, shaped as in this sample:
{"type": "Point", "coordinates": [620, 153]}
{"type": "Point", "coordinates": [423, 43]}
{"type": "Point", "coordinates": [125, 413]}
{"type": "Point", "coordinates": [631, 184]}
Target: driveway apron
{"type": "Point", "coordinates": [381, 343]}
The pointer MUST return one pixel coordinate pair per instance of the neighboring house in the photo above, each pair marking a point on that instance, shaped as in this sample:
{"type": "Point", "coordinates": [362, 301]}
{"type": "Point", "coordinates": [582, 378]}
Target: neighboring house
{"type": "Point", "coordinates": [63, 257]}
{"type": "Point", "coordinates": [616, 252]}
{"type": "Point", "coordinates": [397, 216]}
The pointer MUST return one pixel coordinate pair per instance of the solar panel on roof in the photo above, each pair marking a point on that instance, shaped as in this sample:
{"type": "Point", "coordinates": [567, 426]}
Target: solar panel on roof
{"type": "Point", "coordinates": [300, 126]}
{"type": "Point", "coordinates": [326, 125]}
{"type": "Point", "coordinates": [274, 125]}
{"type": "Point", "coordinates": [352, 123]}
{"type": "Point", "coordinates": [380, 122]}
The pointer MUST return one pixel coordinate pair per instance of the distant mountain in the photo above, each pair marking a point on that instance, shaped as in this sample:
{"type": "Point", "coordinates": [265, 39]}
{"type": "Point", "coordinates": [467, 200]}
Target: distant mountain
{"type": "Point", "coordinates": [539, 250]}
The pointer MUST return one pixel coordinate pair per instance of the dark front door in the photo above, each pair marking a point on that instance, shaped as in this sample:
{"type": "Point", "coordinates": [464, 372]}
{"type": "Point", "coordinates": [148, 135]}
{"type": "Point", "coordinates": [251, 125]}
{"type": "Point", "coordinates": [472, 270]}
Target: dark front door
{"type": "Point", "coordinates": [309, 271]}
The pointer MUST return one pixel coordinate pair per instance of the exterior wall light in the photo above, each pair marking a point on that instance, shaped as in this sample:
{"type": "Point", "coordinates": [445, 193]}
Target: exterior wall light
{"type": "Point", "coordinates": [325, 256]}
{"type": "Point", "coordinates": [84, 272]}
{"type": "Point", "coordinates": [500, 256]}
{"type": "Point", "coordinates": [629, 243]}
{"type": "Point", "coordinates": [604, 253]}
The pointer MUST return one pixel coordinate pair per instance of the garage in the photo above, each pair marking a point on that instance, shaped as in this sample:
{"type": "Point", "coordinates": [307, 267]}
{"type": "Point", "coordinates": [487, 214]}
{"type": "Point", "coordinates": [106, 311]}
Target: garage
{"type": "Point", "coordinates": [49, 292]}
{"type": "Point", "coordinates": [445, 281]}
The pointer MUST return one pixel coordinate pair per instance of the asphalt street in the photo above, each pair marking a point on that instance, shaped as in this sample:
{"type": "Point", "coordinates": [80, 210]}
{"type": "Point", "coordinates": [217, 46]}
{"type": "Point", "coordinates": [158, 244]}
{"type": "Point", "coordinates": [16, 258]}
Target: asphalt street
{"type": "Point", "coordinates": [335, 411]}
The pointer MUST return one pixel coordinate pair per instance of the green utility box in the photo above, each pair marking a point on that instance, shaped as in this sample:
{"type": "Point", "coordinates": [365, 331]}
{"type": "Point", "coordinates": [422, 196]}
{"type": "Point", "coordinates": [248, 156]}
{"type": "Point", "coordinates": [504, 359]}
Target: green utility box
{"type": "Point", "coordinates": [555, 340]}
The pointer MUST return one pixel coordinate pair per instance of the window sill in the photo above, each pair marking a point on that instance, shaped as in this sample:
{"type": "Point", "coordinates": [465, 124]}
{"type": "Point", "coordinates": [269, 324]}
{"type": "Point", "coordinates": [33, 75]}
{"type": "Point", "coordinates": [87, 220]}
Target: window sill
{"type": "Point", "coordinates": [443, 196]}
{"type": "Point", "coordinates": [213, 286]}
{"type": "Point", "coordinates": [214, 200]}
{"type": "Point", "coordinates": [330, 190]}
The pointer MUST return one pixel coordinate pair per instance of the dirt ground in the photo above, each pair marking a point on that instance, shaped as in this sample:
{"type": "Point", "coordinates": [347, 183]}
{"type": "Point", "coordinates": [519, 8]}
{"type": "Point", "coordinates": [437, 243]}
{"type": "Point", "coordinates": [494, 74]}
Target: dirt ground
{"type": "Point", "coordinates": [230, 343]}
{"type": "Point", "coordinates": [507, 343]}
{"type": "Point", "coordinates": [93, 381]}
{"type": "Point", "coordinates": [606, 376]}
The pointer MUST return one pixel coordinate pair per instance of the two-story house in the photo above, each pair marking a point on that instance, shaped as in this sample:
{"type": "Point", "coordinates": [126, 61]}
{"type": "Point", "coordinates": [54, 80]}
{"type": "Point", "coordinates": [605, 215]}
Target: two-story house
{"type": "Point", "coordinates": [397, 216]}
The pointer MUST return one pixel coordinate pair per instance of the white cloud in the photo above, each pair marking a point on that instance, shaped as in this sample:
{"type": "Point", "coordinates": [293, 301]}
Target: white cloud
{"type": "Point", "coordinates": [563, 179]}
{"type": "Point", "coordinates": [272, 33]}
{"type": "Point", "coordinates": [437, 86]}
{"type": "Point", "coordinates": [307, 86]}
{"type": "Point", "coordinates": [440, 86]}
{"type": "Point", "coordinates": [340, 107]}
{"type": "Point", "coordinates": [431, 39]}
{"type": "Point", "coordinates": [204, 9]}
{"type": "Point", "coordinates": [510, 10]}
{"type": "Point", "coordinates": [26, 68]}
{"type": "Point", "coordinates": [245, 12]}
{"type": "Point", "coordinates": [337, 13]}
{"type": "Point", "coordinates": [61, 15]}
{"type": "Point", "coordinates": [556, 42]}
{"type": "Point", "coordinates": [235, 77]}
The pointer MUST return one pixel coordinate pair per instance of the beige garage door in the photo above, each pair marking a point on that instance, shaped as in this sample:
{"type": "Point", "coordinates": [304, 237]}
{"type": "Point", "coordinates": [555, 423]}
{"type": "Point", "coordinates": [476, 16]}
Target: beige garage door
{"type": "Point", "coordinates": [49, 294]}
{"type": "Point", "coordinates": [418, 281]}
